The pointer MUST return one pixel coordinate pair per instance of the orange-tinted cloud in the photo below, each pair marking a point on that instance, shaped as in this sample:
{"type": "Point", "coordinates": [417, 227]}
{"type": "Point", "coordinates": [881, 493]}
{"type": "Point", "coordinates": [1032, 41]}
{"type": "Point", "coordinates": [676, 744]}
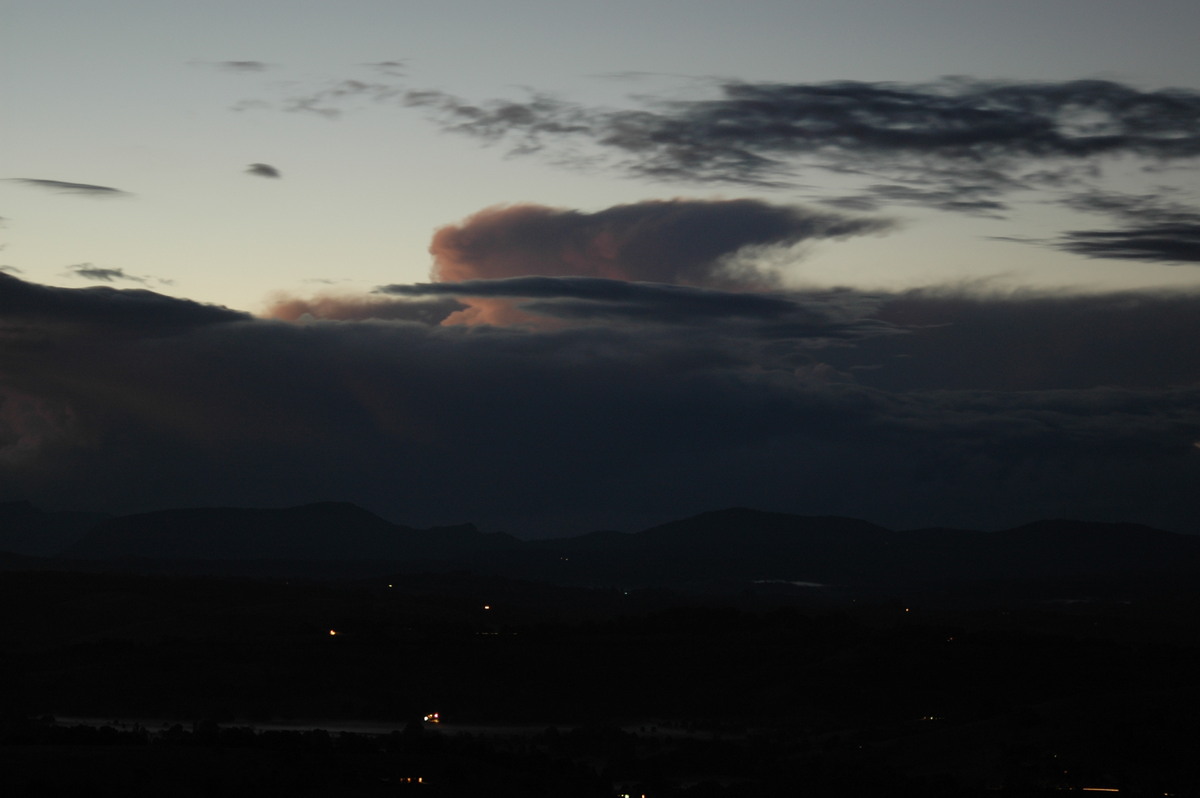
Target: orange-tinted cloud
{"type": "Point", "coordinates": [699, 243]}
{"type": "Point", "coordinates": [679, 242]}
{"type": "Point", "coordinates": [333, 307]}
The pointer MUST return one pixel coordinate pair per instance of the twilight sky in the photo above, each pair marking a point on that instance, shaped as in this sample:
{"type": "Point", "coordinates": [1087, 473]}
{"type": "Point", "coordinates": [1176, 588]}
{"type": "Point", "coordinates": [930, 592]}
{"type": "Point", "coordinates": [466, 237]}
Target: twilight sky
{"type": "Point", "coordinates": [560, 266]}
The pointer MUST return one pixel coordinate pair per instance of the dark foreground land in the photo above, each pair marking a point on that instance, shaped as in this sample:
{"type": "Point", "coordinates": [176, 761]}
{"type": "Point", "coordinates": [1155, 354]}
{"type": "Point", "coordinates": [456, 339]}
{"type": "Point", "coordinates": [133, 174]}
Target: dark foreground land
{"type": "Point", "coordinates": [202, 686]}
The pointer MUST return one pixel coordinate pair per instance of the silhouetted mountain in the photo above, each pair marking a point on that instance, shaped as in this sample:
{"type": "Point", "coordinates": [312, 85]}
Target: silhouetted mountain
{"type": "Point", "coordinates": [24, 529]}
{"type": "Point", "coordinates": [726, 551]}
{"type": "Point", "coordinates": [744, 547]}
{"type": "Point", "coordinates": [332, 531]}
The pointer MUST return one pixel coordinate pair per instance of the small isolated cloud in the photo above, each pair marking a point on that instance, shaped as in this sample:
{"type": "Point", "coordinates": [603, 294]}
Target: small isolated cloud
{"type": "Point", "coordinates": [86, 189]}
{"type": "Point", "coordinates": [244, 66]}
{"type": "Point", "coordinates": [396, 68]}
{"type": "Point", "coordinates": [103, 274]}
{"type": "Point", "coordinates": [234, 66]}
{"type": "Point", "coordinates": [263, 170]}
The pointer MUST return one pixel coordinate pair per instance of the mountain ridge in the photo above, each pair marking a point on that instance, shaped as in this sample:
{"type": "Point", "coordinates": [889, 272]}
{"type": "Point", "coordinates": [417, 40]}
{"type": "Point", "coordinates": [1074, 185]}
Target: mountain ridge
{"type": "Point", "coordinates": [724, 550]}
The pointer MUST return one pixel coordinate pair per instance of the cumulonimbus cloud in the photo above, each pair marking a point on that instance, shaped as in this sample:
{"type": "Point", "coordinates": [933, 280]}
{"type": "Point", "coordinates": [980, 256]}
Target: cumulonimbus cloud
{"type": "Point", "coordinates": [720, 244]}
{"type": "Point", "coordinates": [678, 242]}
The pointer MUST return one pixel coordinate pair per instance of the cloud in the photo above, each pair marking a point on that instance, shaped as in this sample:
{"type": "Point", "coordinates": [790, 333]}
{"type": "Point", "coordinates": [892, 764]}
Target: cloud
{"type": "Point", "coordinates": [775, 317]}
{"type": "Point", "coordinates": [101, 306]}
{"type": "Point", "coordinates": [722, 244]}
{"type": "Point", "coordinates": [394, 68]}
{"type": "Point", "coordinates": [243, 66]}
{"type": "Point", "coordinates": [947, 409]}
{"type": "Point", "coordinates": [705, 243]}
{"type": "Point", "coordinates": [263, 170]}
{"type": "Point", "coordinates": [234, 66]}
{"type": "Point", "coordinates": [972, 199]}
{"type": "Point", "coordinates": [358, 308]}
{"type": "Point", "coordinates": [965, 341]}
{"type": "Point", "coordinates": [103, 274]}
{"type": "Point", "coordinates": [1153, 228]}
{"type": "Point", "coordinates": [763, 133]}
{"type": "Point", "coordinates": [328, 102]}
{"type": "Point", "coordinates": [85, 189]}
{"type": "Point", "coordinates": [1168, 243]}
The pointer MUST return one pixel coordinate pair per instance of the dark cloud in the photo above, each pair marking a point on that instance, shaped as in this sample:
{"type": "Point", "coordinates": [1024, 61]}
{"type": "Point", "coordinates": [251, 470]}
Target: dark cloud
{"type": "Point", "coordinates": [71, 188]}
{"type": "Point", "coordinates": [985, 411]}
{"type": "Point", "coordinates": [101, 306]}
{"type": "Point", "coordinates": [1169, 243]}
{"type": "Point", "coordinates": [1026, 342]}
{"type": "Point", "coordinates": [958, 145]}
{"type": "Point", "coordinates": [1152, 228]}
{"type": "Point", "coordinates": [103, 274]}
{"type": "Point", "coordinates": [762, 132]}
{"type": "Point", "coordinates": [263, 170]}
{"type": "Point", "coordinates": [775, 317]}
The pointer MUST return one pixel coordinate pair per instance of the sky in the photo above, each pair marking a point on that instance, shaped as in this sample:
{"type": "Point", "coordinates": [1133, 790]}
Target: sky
{"type": "Point", "coordinates": [555, 267]}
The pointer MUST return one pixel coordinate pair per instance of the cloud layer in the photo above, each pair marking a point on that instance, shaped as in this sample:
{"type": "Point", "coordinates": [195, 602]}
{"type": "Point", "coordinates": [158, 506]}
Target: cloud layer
{"type": "Point", "coordinates": [654, 401]}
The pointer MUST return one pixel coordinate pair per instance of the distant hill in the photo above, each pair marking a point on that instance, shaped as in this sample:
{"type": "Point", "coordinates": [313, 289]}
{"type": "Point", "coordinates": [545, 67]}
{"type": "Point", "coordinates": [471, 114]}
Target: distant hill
{"type": "Point", "coordinates": [731, 550]}
{"type": "Point", "coordinates": [328, 531]}
{"type": "Point", "coordinates": [24, 529]}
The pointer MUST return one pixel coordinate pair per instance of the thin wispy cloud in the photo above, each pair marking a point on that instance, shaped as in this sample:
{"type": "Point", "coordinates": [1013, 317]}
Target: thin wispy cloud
{"type": "Point", "coordinates": [246, 66]}
{"type": "Point", "coordinates": [958, 145]}
{"type": "Point", "coordinates": [764, 133]}
{"type": "Point", "coordinates": [104, 274]}
{"type": "Point", "coordinates": [62, 186]}
{"type": "Point", "coordinates": [1152, 227]}
{"type": "Point", "coordinates": [393, 68]}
